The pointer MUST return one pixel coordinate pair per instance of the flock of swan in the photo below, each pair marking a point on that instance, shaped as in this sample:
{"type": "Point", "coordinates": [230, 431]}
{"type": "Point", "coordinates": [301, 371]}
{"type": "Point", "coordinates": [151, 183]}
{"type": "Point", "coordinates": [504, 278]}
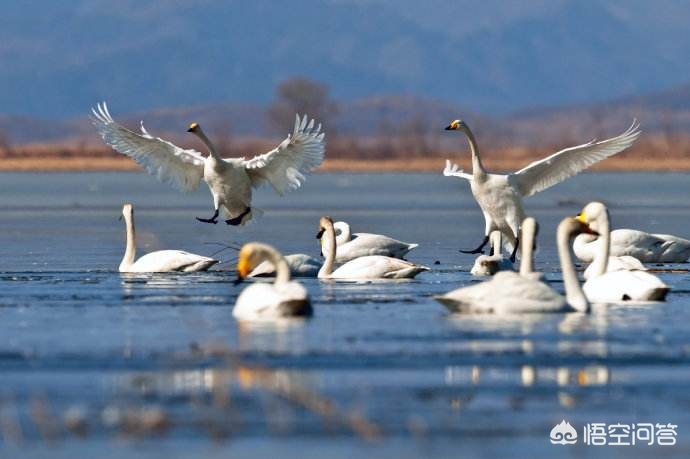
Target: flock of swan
{"type": "Point", "coordinates": [616, 271]}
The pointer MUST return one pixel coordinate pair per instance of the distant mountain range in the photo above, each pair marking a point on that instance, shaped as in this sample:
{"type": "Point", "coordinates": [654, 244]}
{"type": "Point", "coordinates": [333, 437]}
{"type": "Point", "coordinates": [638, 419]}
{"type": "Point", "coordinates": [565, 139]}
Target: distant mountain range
{"type": "Point", "coordinates": [493, 57]}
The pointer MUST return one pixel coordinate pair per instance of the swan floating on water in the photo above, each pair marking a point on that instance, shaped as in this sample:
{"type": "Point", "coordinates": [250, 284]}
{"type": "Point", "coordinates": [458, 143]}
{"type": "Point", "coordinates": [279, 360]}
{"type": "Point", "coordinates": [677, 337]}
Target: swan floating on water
{"type": "Point", "coordinates": [300, 264]}
{"type": "Point", "coordinates": [231, 179]}
{"type": "Point", "coordinates": [261, 301]}
{"type": "Point", "coordinates": [351, 246]}
{"type": "Point", "coordinates": [620, 263]}
{"type": "Point", "coordinates": [161, 261]}
{"type": "Point", "coordinates": [646, 247]}
{"type": "Point", "coordinates": [508, 292]}
{"type": "Point", "coordinates": [614, 286]}
{"type": "Point", "coordinates": [367, 267]}
{"type": "Point", "coordinates": [488, 265]}
{"type": "Point", "coordinates": [500, 196]}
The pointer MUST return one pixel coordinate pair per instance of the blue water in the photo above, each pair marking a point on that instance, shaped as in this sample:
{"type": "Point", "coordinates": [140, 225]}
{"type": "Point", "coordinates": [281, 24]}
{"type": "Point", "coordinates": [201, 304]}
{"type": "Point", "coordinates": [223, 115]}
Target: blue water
{"type": "Point", "coordinates": [99, 364]}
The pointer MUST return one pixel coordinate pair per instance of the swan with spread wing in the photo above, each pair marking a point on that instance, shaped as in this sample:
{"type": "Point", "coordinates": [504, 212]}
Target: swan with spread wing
{"type": "Point", "coordinates": [229, 179]}
{"type": "Point", "coordinates": [500, 195]}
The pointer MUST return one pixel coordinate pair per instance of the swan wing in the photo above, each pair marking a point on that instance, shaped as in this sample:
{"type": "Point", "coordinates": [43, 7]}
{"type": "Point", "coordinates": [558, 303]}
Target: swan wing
{"type": "Point", "coordinates": [284, 166]}
{"type": "Point", "coordinates": [549, 171]}
{"type": "Point", "coordinates": [162, 159]}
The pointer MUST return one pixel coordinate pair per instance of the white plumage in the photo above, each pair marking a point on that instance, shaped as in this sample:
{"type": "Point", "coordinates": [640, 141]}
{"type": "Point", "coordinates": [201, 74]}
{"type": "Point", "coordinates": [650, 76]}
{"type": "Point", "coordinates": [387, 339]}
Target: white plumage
{"type": "Point", "coordinates": [500, 196]}
{"type": "Point", "coordinates": [160, 261]}
{"type": "Point", "coordinates": [261, 301]}
{"type": "Point", "coordinates": [300, 264]}
{"type": "Point", "coordinates": [351, 246]}
{"type": "Point", "coordinates": [488, 265]}
{"type": "Point", "coordinates": [646, 247]}
{"type": "Point", "coordinates": [230, 180]}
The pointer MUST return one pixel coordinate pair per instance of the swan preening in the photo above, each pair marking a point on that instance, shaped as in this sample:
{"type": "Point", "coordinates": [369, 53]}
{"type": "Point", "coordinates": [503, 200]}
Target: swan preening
{"type": "Point", "coordinates": [282, 298]}
{"type": "Point", "coordinates": [508, 292]}
{"type": "Point", "coordinates": [351, 246]}
{"type": "Point", "coordinates": [300, 264]}
{"type": "Point", "coordinates": [160, 261]}
{"type": "Point", "coordinates": [500, 196]}
{"type": "Point", "coordinates": [613, 286]}
{"type": "Point", "coordinates": [231, 179]}
{"type": "Point", "coordinates": [488, 265]}
{"type": "Point", "coordinates": [646, 247]}
{"type": "Point", "coordinates": [366, 267]}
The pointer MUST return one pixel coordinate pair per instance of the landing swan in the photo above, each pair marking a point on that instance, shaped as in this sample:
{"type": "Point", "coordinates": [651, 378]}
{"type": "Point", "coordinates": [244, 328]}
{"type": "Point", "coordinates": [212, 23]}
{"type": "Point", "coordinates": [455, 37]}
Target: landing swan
{"type": "Point", "coordinates": [646, 247]}
{"type": "Point", "coordinates": [300, 264]}
{"type": "Point", "coordinates": [508, 292]}
{"type": "Point", "coordinates": [500, 196]}
{"type": "Point", "coordinates": [614, 286]}
{"type": "Point", "coordinates": [230, 180]}
{"type": "Point", "coordinates": [161, 261]}
{"type": "Point", "coordinates": [367, 267]}
{"type": "Point", "coordinates": [488, 265]}
{"type": "Point", "coordinates": [351, 246]}
{"type": "Point", "coordinates": [282, 298]}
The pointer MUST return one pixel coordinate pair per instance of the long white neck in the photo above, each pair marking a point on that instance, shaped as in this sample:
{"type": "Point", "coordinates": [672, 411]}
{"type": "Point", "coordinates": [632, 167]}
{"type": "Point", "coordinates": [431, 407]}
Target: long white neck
{"type": "Point", "coordinates": [328, 247]}
{"type": "Point", "coordinates": [584, 245]}
{"type": "Point", "coordinates": [601, 257]}
{"type": "Point", "coordinates": [278, 261]}
{"type": "Point", "coordinates": [478, 170]}
{"type": "Point", "coordinates": [345, 233]}
{"type": "Point", "coordinates": [211, 149]}
{"type": "Point", "coordinates": [495, 243]}
{"type": "Point", "coordinates": [528, 231]}
{"type": "Point", "coordinates": [131, 248]}
{"type": "Point", "coordinates": [573, 291]}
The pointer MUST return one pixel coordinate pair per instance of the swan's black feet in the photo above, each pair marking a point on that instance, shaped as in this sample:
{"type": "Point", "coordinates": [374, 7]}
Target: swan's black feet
{"type": "Point", "coordinates": [238, 220]}
{"type": "Point", "coordinates": [515, 249]}
{"type": "Point", "coordinates": [213, 219]}
{"type": "Point", "coordinates": [479, 249]}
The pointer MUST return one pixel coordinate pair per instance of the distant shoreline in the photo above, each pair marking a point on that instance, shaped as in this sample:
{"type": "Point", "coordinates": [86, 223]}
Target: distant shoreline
{"type": "Point", "coordinates": [417, 164]}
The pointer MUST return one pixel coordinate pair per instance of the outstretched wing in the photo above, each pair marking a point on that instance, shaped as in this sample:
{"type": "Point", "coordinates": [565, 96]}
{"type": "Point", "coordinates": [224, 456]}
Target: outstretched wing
{"type": "Point", "coordinates": [162, 159]}
{"type": "Point", "coordinates": [284, 166]}
{"type": "Point", "coordinates": [552, 170]}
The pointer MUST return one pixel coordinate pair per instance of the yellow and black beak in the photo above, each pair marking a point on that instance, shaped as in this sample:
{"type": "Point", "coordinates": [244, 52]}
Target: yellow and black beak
{"type": "Point", "coordinates": [453, 126]}
{"type": "Point", "coordinates": [243, 269]}
{"type": "Point", "coordinates": [193, 127]}
{"type": "Point", "coordinates": [584, 227]}
{"type": "Point", "coordinates": [319, 235]}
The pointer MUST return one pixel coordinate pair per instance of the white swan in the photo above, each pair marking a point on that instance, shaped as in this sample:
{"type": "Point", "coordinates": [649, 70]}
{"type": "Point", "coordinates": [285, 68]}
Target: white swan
{"type": "Point", "coordinates": [614, 286]}
{"type": "Point", "coordinates": [351, 246]}
{"type": "Point", "coordinates": [161, 261]}
{"type": "Point", "coordinates": [500, 196]}
{"type": "Point", "coordinates": [230, 180]}
{"type": "Point", "coordinates": [282, 298]}
{"type": "Point", "coordinates": [300, 264]}
{"type": "Point", "coordinates": [646, 247]}
{"type": "Point", "coordinates": [367, 267]}
{"type": "Point", "coordinates": [621, 263]}
{"type": "Point", "coordinates": [508, 292]}
{"type": "Point", "coordinates": [488, 265]}
{"type": "Point", "coordinates": [529, 230]}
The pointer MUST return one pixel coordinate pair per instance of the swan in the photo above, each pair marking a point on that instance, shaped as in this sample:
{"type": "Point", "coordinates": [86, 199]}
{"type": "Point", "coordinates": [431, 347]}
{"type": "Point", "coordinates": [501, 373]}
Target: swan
{"type": "Point", "coordinates": [351, 246]}
{"type": "Point", "coordinates": [621, 263]}
{"type": "Point", "coordinates": [488, 265]}
{"type": "Point", "coordinates": [529, 230]}
{"type": "Point", "coordinates": [282, 298]}
{"type": "Point", "coordinates": [230, 180]}
{"type": "Point", "coordinates": [161, 261]}
{"type": "Point", "coordinates": [300, 264]}
{"type": "Point", "coordinates": [613, 286]}
{"type": "Point", "coordinates": [508, 292]}
{"type": "Point", "coordinates": [367, 267]}
{"type": "Point", "coordinates": [646, 247]}
{"type": "Point", "coordinates": [500, 196]}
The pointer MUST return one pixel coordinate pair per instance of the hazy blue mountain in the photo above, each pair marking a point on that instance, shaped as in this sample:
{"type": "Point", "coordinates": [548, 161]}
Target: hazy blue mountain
{"type": "Point", "coordinates": [59, 58]}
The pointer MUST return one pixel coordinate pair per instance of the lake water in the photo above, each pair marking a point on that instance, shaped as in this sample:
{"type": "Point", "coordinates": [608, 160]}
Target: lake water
{"type": "Point", "coordinates": [99, 364]}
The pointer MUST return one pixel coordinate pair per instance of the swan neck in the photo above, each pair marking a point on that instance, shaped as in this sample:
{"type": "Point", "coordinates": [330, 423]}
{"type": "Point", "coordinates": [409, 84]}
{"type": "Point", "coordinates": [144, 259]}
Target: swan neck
{"type": "Point", "coordinates": [573, 290]}
{"type": "Point", "coordinates": [495, 243]}
{"type": "Point", "coordinates": [328, 247]}
{"type": "Point", "coordinates": [131, 247]}
{"type": "Point", "coordinates": [280, 264]}
{"type": "Point", "coordinates": [601, 258]}
{"type": "Point", "coordinates": [527, 250]}
{"type": "Point", "coordinates": [477, 167]}
{"type": "Point", "coordinates": [211, 148]}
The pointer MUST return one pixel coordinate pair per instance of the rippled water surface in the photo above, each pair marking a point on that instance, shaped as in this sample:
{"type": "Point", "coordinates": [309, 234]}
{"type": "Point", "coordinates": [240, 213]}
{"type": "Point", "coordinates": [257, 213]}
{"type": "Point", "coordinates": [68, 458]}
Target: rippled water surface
{"type": "Point", "coordinates": [99, 364]}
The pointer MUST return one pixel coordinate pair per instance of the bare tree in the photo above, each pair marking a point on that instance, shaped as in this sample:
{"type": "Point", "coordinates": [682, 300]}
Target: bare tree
{"type": "Point", "coordinates": [301, 96]}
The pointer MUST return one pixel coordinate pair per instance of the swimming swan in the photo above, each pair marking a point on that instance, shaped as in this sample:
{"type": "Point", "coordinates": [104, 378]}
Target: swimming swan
{"type": "Point", "coordinates": [622, 263]}
{"type": "Point", "coordinates": [230, 180]}
{"type": "Point", "coordinates": [614, 286]}
{"type": "Point", "coordinates": [488, 265]}
{"type": "Point", "coordinates": [367, 267]}
{"type": "Point", "coordinates": [282, 298]}
{"type": "Point", "coordinates": [500, 196]}
{"type": "Point", "coordinates": [508, 292]}
{"type": "Point", "coordinates": [300, 264]}
{"type": "Point", "coordinates": [646, 247]}
{"type": "Point", "coordinates": [351, 246]}
{"type": "Point", "coordinates": [161, 261]}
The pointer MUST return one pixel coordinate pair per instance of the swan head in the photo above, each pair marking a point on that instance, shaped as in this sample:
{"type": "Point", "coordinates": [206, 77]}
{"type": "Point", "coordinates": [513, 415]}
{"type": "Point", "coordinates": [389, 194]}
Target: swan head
{"type": "Point", "coordinates": [324, 223]}
{"type": "Point", "coordinates": [594, 214]}
{"type": "Point", "coordinates": [194, 127]}
{"type": "Point", "coordinates": [455, 125]}
{"type": "Point", "coordinates": [250, 256]}
{"type": "Point", "coordinates": [127, 210]}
